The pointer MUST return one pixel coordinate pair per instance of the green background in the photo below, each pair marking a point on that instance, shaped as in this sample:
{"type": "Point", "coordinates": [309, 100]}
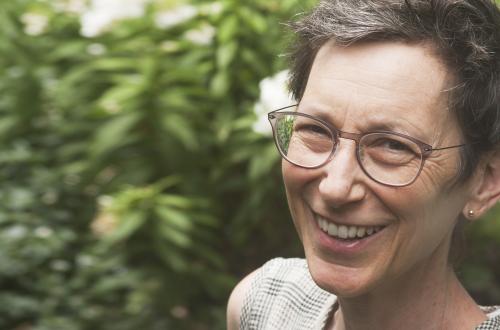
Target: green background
{"type": "Point", "coordinates": [135, 192]}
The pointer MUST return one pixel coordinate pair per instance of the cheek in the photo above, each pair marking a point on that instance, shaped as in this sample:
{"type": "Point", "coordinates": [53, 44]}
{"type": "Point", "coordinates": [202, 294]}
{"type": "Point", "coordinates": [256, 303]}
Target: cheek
{"type": "Point", "coordinates": [440, 171]}
{"type": "Point", "coordinates": [426, 217]}
{"type": "Point", "coordinates": [295, 178]}
{"type": "Point", "coordinates": [297, 183]}
{"type": "Point", "coordinates": [430, 196]}
{"type": "Point", "coordinates": [294, 181]}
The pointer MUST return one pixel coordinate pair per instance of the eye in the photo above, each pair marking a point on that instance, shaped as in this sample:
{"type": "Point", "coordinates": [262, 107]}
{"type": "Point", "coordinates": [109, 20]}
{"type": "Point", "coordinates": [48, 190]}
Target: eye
{"type": "Point", "coordinates": [311, 128]}
{"type": "Point", "coordinates": [389, 150]}
{"type": "Point", "coordinates": [389, 144]}
{"type": "Point", "coordinates": [395, 145]}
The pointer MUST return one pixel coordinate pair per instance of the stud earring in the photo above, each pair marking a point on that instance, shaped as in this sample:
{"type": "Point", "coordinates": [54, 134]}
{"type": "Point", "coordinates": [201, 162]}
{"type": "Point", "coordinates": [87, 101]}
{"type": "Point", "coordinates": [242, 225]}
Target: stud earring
{"type": "Point", "coordinates": [470, 213]}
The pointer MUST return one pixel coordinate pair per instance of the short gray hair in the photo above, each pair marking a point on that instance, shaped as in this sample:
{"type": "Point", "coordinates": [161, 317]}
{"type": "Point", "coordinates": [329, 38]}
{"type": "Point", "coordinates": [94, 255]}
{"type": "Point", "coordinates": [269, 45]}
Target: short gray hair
{"type": "Point", "coordinates": [464, 33]}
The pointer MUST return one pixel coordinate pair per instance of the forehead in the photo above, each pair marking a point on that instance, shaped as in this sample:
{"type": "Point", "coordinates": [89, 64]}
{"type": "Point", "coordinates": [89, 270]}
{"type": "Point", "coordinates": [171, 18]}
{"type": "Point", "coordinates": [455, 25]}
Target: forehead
{"type": "Point", "coordinates": [400, 84]}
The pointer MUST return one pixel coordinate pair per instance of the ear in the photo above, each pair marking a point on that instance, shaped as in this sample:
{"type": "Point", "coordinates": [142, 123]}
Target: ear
{"type": "Point", "coordinates": [485, 187]}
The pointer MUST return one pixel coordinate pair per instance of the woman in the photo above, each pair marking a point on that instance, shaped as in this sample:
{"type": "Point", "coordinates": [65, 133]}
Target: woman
{"type": "Point", "coordinates": [393, 143]}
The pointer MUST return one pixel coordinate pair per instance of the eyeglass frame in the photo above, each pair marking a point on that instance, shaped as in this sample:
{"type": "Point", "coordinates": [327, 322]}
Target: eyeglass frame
{"type": "Point", "coordinates": [425, 149]}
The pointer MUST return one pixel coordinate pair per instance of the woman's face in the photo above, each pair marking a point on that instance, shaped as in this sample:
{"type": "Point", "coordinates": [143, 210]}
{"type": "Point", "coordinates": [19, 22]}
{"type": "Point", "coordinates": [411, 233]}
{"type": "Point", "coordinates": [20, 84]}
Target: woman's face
{"type": "Point", "coordinates": [368, 87]}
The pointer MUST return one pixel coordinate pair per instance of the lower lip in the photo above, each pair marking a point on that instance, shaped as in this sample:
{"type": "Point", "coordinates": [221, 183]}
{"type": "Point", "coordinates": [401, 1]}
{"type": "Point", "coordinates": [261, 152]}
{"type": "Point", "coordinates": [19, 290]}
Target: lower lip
{"type": "Point", "coordinates": [345, 247]}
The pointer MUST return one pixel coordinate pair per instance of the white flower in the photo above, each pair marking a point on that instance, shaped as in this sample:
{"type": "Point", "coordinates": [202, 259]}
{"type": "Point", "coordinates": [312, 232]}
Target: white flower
{"type": "Point", "coordinates": [178, 15]}
{"type": "Point", "coordinates": [105, 201]}
{"type": "Point", "coordinates": [34, 24]}
{"type": "Point", "coordinates": [213, 8]}
{"type": "Point", "coordinates": [16, 232]}
{"type": "Point", "coordinates": [103, 13]}
{"type": "Point", "coordinates": [70, 6]}
{"type": "Point", "coordinates": [201, 36]}
{"type": "Point", "coordinates": [274, 94]}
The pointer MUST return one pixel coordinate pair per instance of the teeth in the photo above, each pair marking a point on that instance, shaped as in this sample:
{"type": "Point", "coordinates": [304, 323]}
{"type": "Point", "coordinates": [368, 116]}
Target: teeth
{"type": "Point", "coordinates": [352, 232]}
{"type": "Point", "coordinates": [342, 232]}
{"type": "Point", "coordinates": [345, 231]}
{"type": "Point", "coordinates": [332, 229]}
{"type": "Point", "coordinates": [322, 223]}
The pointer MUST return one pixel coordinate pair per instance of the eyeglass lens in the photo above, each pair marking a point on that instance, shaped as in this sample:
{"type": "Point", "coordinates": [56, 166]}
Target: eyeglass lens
{"type": "Point", "coordinates": [387, 158]}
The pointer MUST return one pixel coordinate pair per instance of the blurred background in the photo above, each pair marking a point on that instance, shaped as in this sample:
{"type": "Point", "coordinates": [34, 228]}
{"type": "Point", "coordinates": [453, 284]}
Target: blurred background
{"type": "Point", "coordinates": [139, 178]}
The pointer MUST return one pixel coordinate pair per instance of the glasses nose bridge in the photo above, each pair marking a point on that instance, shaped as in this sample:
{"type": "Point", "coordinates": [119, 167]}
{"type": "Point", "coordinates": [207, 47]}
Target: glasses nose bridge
{"type": "Point", "coordinates": [350, 136]}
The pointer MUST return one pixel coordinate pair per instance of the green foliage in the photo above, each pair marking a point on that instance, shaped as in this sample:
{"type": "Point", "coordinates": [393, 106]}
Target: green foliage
{"type": "Point", "coordinates": [284, 130]}
{"type": "Point", "coordinates": [134, 191]}
{"type": "Point", "coordinates": [481, 269]}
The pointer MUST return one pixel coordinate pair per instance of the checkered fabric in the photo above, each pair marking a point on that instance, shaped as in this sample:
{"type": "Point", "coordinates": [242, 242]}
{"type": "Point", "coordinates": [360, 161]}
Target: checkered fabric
{"type": "Point", "coordinates": [493, 321]}
{"type": "Point", "coordinates": [284, 296]}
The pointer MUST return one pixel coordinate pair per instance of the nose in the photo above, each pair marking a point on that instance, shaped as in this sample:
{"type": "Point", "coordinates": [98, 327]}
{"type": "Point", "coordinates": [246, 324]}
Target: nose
{"type": "Point", "coordinates": [342, 181]}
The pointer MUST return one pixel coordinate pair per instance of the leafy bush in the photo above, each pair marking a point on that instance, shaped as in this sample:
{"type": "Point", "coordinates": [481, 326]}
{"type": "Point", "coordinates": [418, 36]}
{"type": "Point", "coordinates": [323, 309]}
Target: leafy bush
{"type": "Point", "coordinates": [135, 191]}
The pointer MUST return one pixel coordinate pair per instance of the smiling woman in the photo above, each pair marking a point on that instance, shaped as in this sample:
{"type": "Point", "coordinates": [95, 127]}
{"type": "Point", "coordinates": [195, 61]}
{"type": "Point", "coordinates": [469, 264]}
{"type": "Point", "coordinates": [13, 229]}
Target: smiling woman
{"type": "Point", "coordinates": [394, 141]}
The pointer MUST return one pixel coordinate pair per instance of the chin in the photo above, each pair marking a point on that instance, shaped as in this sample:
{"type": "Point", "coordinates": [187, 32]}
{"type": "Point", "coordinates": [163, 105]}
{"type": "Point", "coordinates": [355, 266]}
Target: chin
{"type": "Point", "coordinates": [342, 281]}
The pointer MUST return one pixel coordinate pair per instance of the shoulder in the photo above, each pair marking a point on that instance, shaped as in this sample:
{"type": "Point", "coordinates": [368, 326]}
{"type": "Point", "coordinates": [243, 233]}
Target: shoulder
{"type": "Point", "coordinates": [235, 303]}
{"type": "Point", "coordinates": [277, 269]}
{"type": "Point", "coordinates": [493, 321]}
{"type": "Point", "coordinates": [281, 292]}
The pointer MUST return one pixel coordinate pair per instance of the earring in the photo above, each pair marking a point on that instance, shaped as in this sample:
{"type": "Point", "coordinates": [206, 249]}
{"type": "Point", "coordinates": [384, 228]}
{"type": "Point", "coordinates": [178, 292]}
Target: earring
{"type": "Point", "coordinates": [470, 213]}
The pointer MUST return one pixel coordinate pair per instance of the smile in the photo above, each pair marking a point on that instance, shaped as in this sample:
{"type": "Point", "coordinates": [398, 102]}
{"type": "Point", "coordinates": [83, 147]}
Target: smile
{"type": "Point", "coordinates": [345, 232]}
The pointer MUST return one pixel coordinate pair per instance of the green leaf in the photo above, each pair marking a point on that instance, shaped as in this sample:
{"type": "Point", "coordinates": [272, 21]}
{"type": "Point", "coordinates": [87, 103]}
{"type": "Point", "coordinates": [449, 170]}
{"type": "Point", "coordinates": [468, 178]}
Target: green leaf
{"type": "Point", "coordinates": [129, 223]}
{"type": "Point", "coordinates": [209, 255]}
{"type": "Point", "coordinates": [115, 64]}
{"type": "Point", "coordinates": [119, 95]}
{"type": "Point", "coordinates": [68, 50]}
{"type": "Point", "coordinates": [171, 257]}
{"type": "Point", "coordinates": [228, 29]}
{"type": "Point", "coordinates": [177, 220]}
{"type": "Point", "coordinates": [173, 235]}
{"type": "Point", "coordinates": [226, 53]}
{"type": "Point", "coordinates": [6, 125]}
{"type": "Point", "coordinates": [220, 84]}
{"type": "Point", "coordinates": [176, 201]}
{"type": "Point", "coordinates": [114, 133]}
{"type": "Point", "coordinates": [253, 19]}
{"type": "Point", "coordinates": [177, 98]}
{"type": "Point", "coordinates": [206, 219]}
{"type": "Point", "coordinates": [263, 163]}
{"type": "Point", "coordinates": [178, 127]}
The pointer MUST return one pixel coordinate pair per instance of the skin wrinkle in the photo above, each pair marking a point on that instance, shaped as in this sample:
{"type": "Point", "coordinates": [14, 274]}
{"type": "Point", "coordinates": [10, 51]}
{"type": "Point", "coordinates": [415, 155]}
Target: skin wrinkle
{"type": "Point", "coordinates": [393, 78]}
{"type": "Point", "coordinates": [463, 38]}
{"type": "Point", "coordinates": [448, 84]}
{"type": "Point", "coordinates": [461, 35]}
{"type": "Point", "coordinates": [378, 120]}
{"type": "Point", "coordinates": [340, 191]}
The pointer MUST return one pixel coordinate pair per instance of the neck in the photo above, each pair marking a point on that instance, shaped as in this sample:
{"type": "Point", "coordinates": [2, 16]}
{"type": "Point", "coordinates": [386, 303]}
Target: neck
{"type": "Point", "coordinates": [417, 300]}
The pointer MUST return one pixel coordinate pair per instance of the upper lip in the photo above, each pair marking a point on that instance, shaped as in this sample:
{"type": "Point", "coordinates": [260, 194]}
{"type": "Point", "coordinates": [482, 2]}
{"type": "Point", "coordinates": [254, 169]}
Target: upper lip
{"type": "Point", "coordinates": [347, 223]}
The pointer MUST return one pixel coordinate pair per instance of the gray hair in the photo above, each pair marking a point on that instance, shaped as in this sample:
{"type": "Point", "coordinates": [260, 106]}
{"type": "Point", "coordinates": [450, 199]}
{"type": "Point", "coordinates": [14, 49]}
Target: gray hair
{"type": "Point", "coordinates": [465, 35]}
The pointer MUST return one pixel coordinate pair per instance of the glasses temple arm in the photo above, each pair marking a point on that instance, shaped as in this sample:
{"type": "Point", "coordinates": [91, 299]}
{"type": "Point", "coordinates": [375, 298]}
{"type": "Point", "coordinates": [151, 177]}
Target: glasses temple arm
{"type": "Point", "coordinates": [450, 147]}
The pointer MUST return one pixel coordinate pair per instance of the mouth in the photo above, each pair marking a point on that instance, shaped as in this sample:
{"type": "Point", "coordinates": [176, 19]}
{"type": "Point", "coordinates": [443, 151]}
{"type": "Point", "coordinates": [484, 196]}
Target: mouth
{"type": "Point", "coordinates": [346, 233]}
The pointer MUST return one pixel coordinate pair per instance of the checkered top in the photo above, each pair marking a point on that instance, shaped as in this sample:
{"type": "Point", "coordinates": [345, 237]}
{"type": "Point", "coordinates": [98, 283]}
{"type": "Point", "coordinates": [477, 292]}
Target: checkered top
{"type": "Point", "coordinates": [284, 296]}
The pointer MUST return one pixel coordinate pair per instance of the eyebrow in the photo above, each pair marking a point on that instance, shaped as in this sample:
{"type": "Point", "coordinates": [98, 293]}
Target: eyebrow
{"type": "Point", "coordinates": [370, 124]}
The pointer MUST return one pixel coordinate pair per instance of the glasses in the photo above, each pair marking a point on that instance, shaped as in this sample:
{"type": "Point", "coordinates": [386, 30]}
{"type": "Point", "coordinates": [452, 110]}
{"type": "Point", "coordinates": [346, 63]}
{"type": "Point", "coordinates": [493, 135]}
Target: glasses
{"type": "Point", "coordinates": [389, 158]}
